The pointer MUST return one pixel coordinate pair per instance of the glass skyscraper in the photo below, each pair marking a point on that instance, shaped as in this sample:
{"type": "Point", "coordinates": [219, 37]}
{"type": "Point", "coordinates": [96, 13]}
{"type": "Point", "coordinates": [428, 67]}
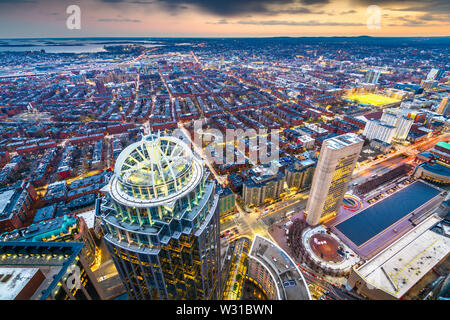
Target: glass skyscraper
{"type": "Point", "coordinates": [161, 222]}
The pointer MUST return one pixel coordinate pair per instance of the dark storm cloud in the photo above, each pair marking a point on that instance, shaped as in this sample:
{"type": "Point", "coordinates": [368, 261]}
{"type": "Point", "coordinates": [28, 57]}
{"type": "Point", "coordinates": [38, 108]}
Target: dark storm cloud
{"type": "Point", "coordinates": [431, 6]}
{"type": "Point", "coordinates": [17, 1]}
{"type": "Point", "coordinates": [236, 7]}
{"type": "Point", "coordinates": [241, 8]}
{"type": "Point", "coordinates": [244, 7]}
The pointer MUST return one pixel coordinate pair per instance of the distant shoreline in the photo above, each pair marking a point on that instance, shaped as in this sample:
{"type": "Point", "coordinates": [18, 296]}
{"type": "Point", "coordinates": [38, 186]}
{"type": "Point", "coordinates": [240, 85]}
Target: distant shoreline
{"type": "Point", "coordinates": [218, 37]}
{"type": "Point", "coordinates": [96, 45]}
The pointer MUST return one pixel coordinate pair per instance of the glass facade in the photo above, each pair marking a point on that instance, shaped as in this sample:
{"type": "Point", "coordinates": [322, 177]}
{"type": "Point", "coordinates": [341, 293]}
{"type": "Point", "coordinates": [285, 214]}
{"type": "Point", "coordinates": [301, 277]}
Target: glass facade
{"type": "Point", "coordinates": [164, 241]}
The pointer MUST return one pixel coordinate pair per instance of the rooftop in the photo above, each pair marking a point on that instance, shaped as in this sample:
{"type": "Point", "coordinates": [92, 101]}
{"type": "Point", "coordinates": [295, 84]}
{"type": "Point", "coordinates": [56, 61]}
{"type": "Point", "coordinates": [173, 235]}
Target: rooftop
{"type": "Point", "coordinates": [14, 280]}
{"type": "Point", "coordinates": [443, 144]}
{"type": "Point", "coordinates": [161, 165]}
{"type": "Point", "coordinates": [289, 279]}
{"type": "Point", "coordinates": [52, 258]}
{"type": "Point", "coordinates": [396, 269]}
{"type": "Point", "coordinates": [436, 168]}
{"type": "Point", "coordinates": [375, 219]}
{"type": "Point", "coordinates": [12, 198]}
{"type": "Point", "coordinates": [5, 198]}
{"type": "Point", "coordinates": [342, 141]}
{"type": "Point", "coordinates": [44, 230]}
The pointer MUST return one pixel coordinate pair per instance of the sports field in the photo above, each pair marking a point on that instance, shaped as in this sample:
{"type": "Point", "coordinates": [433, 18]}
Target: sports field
{"type": "Point", "coordinates": [371, 98]}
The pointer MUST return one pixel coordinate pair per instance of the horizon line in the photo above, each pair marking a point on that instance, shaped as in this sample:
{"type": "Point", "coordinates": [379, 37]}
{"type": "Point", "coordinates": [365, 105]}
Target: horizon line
{"type": "Point", "coordinates": [218, 37]}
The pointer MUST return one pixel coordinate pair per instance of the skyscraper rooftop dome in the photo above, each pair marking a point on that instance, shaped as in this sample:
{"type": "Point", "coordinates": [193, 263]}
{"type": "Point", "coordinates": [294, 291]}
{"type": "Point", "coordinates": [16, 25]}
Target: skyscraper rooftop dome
{"type": "Point", "coordinates": [155, 168]}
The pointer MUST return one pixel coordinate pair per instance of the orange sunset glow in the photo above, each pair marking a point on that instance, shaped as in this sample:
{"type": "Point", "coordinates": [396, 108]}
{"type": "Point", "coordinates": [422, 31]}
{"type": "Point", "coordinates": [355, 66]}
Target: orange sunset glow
{"type": "Point", "coordinates": [191, 18]}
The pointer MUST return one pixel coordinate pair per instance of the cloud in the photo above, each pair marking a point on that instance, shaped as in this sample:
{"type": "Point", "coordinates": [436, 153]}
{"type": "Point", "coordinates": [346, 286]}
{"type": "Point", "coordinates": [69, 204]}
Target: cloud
{"type": "Point", "coordinates": [141, 2]}
{"type": "Point", "coordinates": [292, 11]}
{"type": "Point", "coordinates": [222, 21]}
{"type": "Point", "coordinates": [232, 8]}
{"type": "Point", "coordinates": [416, 21]}
{"type": "Point", "coordinates": [300, 23]}
{"type": "Point", "coordinates": [119, 20]}
{"type": "Point", "coordinates": [348, 12]}
{"type": "Point", "coordinates": [430, 6]}
{"type": "Point", "coordinates": [228, 8]}
{"type": "Point", "coordinates": [17, 2]}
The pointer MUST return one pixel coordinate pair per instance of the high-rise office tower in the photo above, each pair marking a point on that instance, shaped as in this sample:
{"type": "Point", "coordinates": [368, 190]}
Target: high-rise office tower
{"type": "Point", "coordinates": [403, 127]}
{"type": "Point", "coordinates": [401, 123]}
{"type": "Point", "coordinates": [376, 129]}
{"type": "Point", "coordinates": [372, 76]}
{"type": "Point", "coordinates": [161, 223]}
{"type": "Point", "coordinates": [435, 74]}
{"type": "Point", "coordinates": [444, 106]}
{"type": "Point", "coordinates": [337, 160]}
{"type": "Point", "coordinates": [389, 118]}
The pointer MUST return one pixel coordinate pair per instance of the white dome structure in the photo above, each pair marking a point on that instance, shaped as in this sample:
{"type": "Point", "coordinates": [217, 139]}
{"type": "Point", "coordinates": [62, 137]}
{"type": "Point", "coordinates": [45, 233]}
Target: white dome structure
{"type": "Point", "coordinates": [155, 169]}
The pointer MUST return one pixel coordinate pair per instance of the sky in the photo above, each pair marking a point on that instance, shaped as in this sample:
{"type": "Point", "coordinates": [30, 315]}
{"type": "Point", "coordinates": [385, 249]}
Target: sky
{"type": "Point", "coordinates": [225, 18]}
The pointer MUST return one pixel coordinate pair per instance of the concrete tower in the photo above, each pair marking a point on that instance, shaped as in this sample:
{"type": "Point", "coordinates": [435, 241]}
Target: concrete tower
{"type": "Point", "coordinates": [337, 160]}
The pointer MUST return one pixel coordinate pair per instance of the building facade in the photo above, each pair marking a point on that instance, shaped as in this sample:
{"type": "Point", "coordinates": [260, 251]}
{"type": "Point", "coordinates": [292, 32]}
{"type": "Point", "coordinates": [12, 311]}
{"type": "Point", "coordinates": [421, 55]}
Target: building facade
{"type": "Point", "coordinates": [160, 222]}
{"type": "Point", "coordinates": [16, 205]}
{"type": "Point", "coordinates": [372, 76]}
{"type": "Point", "coordinates": [300, 174]}
{"type": "Point", "coordinates": [444, 106]}
{"type": "Point", "coordinates": [269, 183]}
{"type": "Point", "coordinates": [401, 123]}
{"type": "Point", "coordinates": [337, 160]}
{"type": "Point", "coordinates": [376, 129]}
{"type": "Point", "coordinates": [259, 189]}
{"type": "Point", "coordinates": [227, 201]}
{"type": "Point", "coordinates": [436, 167]}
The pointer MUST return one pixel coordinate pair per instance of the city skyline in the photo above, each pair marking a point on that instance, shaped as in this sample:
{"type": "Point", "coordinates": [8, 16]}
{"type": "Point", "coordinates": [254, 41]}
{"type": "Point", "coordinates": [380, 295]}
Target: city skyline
{"type": "Point", "coordinates": [224, 150]}
{"type": "Point", "coordinates": [191, 18]}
